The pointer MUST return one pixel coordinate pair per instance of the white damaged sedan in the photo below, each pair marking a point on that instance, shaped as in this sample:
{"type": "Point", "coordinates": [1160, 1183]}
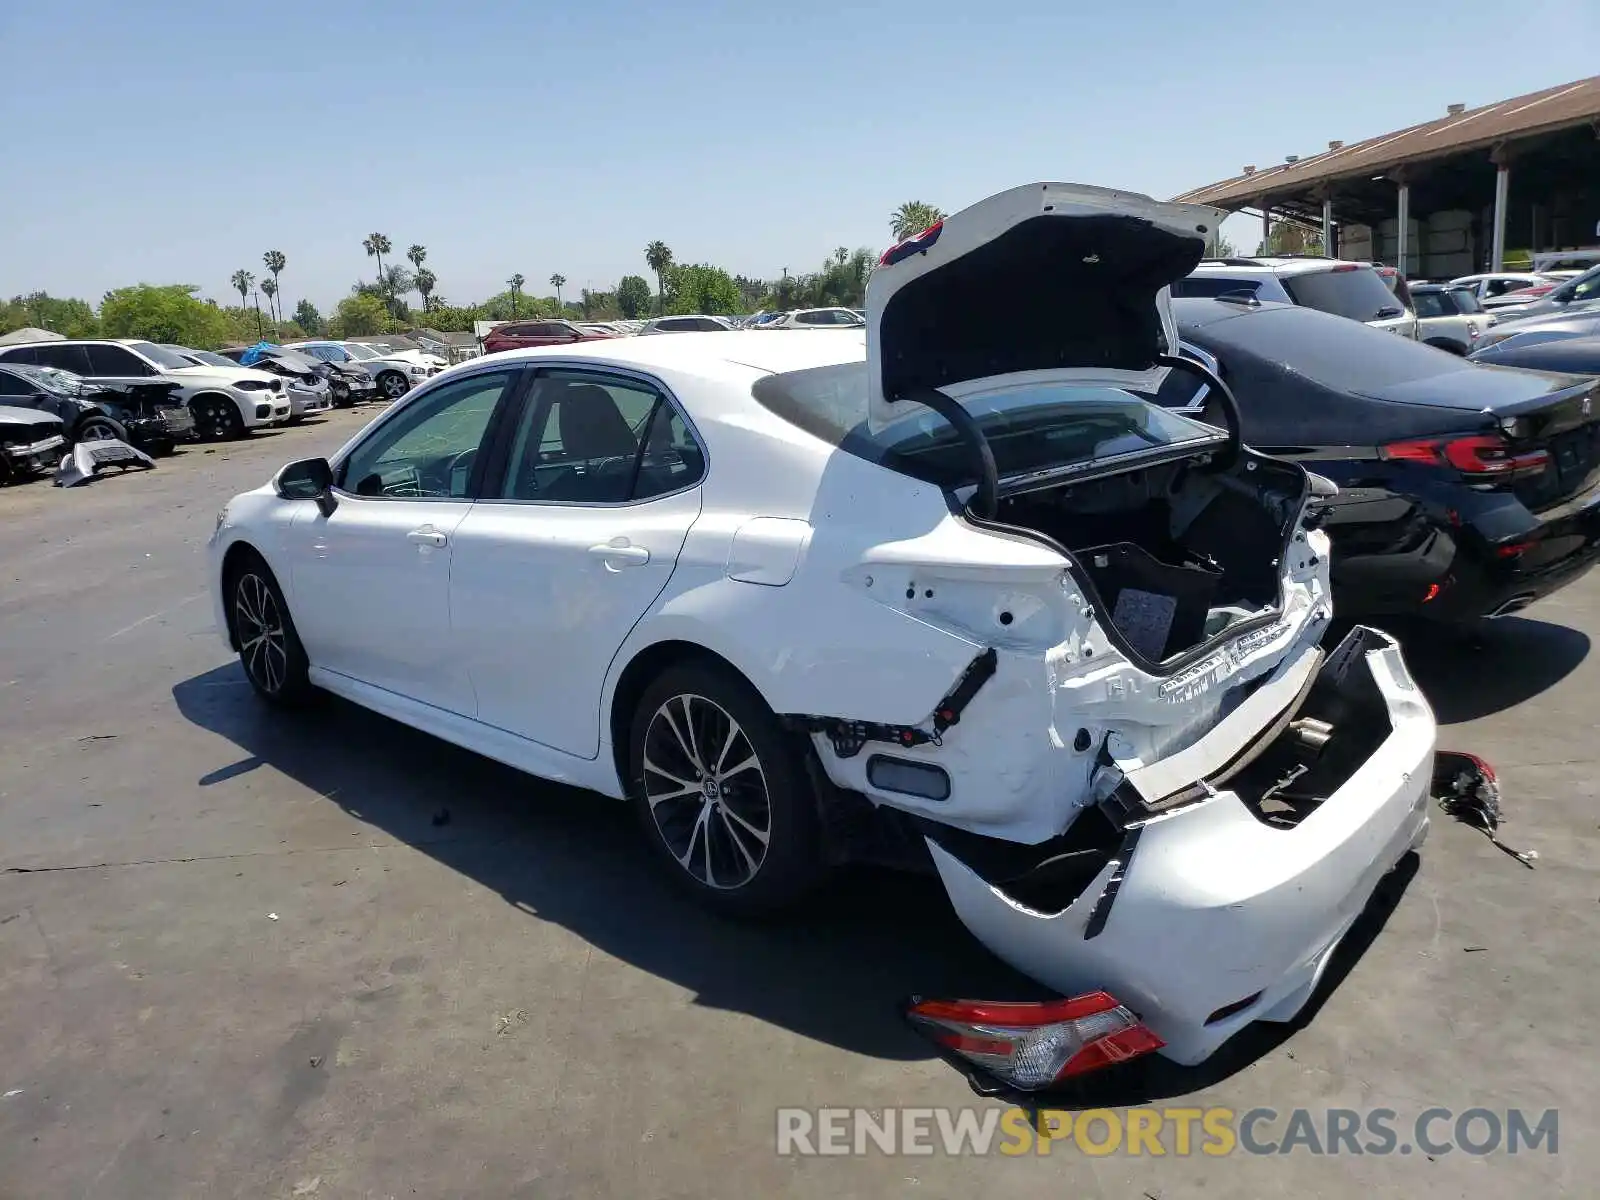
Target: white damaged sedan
{"type": "Point", "coordinates": [947, 592]}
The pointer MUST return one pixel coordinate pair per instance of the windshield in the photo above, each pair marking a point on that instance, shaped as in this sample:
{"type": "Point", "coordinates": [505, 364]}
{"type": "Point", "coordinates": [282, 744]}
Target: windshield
{"type": "Point", "coordinates": [162, 357]}
{"type": "Point", "coordinates": [360, 352]}
{"type": "Point", "coordinates": [1033, 428]}
{"type": "Point", "coordinates": [208, 358]}
{"type": "Point", "coordinates": [51, 379]}
{"type": "Point", "coordinates": [1354, 292]}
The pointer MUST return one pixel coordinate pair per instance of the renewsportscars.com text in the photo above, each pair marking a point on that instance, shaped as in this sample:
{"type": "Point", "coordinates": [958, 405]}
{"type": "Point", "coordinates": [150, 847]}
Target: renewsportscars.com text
{"type": "Point", "coordinates": [1157, 1132]}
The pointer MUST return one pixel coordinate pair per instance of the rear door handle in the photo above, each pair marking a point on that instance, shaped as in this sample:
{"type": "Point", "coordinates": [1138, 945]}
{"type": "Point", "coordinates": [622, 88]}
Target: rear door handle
{"type": "Point", "coordinates": [618, 553]}
{"type": "Point", "coordinates": [428, 536]}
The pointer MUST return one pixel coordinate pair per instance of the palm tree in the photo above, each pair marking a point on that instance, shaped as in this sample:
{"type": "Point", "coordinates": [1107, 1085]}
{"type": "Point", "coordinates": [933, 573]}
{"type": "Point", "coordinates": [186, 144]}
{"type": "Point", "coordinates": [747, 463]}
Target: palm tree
{"type": "Point", "coordinates": [377, 245]}
{"type": "Point", "coordinates": [425, 282]}
{"type": "Point", "coordinates": [659, 259]}
{"type": "Point", "coordinates": [912, 217]}
{"type": "Point", "coordinates": [269, 289]}
{"type": "Point", "coordinates": [558, 281]}
{"type": "Point", "coordinates": [515, 284]}
{"type": "Point", "coordinates": [275, 262]}
{"type": "Point", "coordinates": [243, 281]}
{"type": "Point", "coordinates": [416, 254]}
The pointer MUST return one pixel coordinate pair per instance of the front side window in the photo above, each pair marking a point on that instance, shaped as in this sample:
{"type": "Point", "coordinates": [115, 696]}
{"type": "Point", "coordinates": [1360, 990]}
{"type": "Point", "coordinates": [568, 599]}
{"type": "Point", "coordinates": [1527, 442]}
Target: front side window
{"type": "Point", "coordinates": [429, 449]}
{"type": "Point", "coordinates": [592, 438]}
{"type": "Point", "coordinates": [1586, 286]}
{"type": "Point", "coordinates": [12, 385]}
{"type": "Point", "coordinates": [162, 357]}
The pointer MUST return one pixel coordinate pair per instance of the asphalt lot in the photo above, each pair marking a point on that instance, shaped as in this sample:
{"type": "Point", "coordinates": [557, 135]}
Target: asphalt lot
{"type": "Point", "coordinates": [248, 955]}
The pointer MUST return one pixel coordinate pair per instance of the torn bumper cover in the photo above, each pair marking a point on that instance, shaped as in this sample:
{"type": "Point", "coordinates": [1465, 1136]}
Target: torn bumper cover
{"type": "Point", "coordinates": [88, 459]}
{"type": "Point", "coordinates": [1224, 907]}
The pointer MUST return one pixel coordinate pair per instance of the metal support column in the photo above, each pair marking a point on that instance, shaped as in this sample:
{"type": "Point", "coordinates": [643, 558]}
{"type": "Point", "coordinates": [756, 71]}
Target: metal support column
{"type": "Point", "coordinates": [1327, 227]}
{"type": "Point", "coordinates": [1403, 231]}
{"type": "Point", "coordinates": [1266, 230]}
{"type": "Point", "coordinates": [1502, 192]}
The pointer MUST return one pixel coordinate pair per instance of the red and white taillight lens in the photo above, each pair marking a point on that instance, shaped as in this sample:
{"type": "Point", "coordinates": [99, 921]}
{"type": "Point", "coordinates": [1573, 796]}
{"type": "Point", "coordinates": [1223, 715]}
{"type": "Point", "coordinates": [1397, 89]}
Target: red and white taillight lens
{"type": "Point", "coordinates": [1035, 1045]}
{"type": "Point", "coordinates": [1480, 456]}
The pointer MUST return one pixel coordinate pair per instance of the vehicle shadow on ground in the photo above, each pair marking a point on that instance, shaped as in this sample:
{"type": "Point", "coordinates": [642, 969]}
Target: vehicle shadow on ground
{"type": "Point", "coordinates": [839, 972]}
{"type": "Point", "coordinates": [836, 973]}
{"type": "Point", "coordinates": [1493, 668]}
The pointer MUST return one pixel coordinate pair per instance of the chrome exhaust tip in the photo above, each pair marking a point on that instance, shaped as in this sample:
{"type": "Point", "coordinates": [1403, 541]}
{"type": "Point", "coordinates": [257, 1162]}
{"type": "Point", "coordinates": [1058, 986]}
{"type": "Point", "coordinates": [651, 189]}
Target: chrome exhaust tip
{"type": "Point", "coordinates": [1516, 604]}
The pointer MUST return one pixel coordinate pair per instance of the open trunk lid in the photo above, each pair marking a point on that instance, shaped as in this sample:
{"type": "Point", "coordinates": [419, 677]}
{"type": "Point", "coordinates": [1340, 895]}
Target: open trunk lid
{"type": "Point", "coordinates": [1048, 282]}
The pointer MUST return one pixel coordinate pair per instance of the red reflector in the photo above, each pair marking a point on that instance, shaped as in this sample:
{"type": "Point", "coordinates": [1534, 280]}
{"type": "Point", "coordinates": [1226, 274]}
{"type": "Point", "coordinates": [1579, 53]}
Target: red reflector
{"type": "Point", "coordinates": [1512, 549]}
{"type": "Point", "coordinates": [1032, 1046]}
{"type": "Point", "coordinates": [1433, 591]}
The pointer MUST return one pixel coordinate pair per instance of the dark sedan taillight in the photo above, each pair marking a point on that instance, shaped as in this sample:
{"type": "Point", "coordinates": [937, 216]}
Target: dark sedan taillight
{"type": "Point", "coordinates": [1482, 456]}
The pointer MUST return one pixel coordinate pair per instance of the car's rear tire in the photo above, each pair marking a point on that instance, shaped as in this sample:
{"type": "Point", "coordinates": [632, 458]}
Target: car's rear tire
{"type": "Point", "coordinates": [722, 791]}
{"type": "Point", "coordinates": [270, 652]}
{"type": "Point", "coordinates": [216, 418]}
{"type": "Point", "coordinates": [97, 427]}
{"type": "Point", "coordinates": [393, 385]}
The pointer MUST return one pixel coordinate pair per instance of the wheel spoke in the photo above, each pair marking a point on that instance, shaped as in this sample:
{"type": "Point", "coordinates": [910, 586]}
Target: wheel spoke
{"type": "Point", "coordinates": [728, 811]}
{"type": "Point", "coordinates": [694, 744]}
{"type": "Point", "coordinates": [684, 743]}
{"type": "Point", "coordinates": [727, 744]}
{"type": "Point", "coordinates": [730, 833]}
{"type": "Point", "coordinates": [742, 765]}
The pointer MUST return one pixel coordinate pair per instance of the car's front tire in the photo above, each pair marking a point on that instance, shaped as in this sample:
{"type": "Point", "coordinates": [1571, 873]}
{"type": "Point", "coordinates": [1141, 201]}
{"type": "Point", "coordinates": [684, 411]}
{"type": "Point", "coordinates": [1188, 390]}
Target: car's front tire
{"type": "Point", "coordinates": [274, 661]}
{"type": "Point", "coordinates": [97, 427]}
{"type": "Point", "coordinates": [722, 791]}
{"type": "Point", "coordinates": [393, 385]}
{"type": "Point", "coordinates": [216, 418]}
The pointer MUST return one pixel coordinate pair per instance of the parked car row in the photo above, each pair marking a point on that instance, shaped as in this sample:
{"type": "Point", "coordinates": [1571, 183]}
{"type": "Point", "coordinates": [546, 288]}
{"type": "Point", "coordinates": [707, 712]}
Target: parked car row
{"type": "Point", "coordinates": [154, 396]}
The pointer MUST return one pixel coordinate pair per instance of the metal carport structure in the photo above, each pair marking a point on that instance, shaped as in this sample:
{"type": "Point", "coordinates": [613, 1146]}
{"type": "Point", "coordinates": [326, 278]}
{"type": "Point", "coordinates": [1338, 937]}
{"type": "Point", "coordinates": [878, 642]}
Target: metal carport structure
{"type": "Point", "coordinates": [1440, 198]}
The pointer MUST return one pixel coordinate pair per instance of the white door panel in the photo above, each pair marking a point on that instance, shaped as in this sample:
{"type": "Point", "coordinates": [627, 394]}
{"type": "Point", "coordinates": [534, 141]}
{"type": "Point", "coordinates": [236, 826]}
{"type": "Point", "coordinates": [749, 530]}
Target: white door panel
{"type": "Point", "coordinates": [545, 594]}
{"type": "Point", "coordinates": [372, 595]}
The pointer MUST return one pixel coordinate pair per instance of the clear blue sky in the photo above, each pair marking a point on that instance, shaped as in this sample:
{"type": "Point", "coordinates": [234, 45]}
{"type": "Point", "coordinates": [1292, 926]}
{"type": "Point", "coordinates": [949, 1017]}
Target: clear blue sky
{"type": "Point", "coordinates": [166, 141]}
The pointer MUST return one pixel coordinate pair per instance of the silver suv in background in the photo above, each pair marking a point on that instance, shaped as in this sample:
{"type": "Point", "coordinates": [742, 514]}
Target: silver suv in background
{"type": "Point", "coordinates": [1345, 289]}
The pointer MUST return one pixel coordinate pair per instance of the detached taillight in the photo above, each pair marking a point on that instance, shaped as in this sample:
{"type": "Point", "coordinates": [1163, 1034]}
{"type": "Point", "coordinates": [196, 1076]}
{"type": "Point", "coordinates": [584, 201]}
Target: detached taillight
{"type": "Point", "coordinates": [1036, 1045]}
{"type": "Point", "coordinates": [1482, 456]}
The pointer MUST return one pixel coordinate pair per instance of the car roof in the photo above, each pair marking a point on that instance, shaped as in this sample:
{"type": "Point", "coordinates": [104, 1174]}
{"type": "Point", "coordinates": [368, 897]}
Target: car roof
{"type": "Point", "coordinates": [728, 355]}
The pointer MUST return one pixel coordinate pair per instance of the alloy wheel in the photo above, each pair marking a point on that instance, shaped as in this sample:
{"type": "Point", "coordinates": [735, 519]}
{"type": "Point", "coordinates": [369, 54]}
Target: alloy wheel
{"type": "Point", "coordinates": [213, 419]}
{"type": "Point", "coordinates": [707, 792]}
{"type": "Point", "coordinates": [263, 644]}
{"type": "Point", "coordinates": [394, 386]}
{"type": "Point", "coordinates": [96, 430]}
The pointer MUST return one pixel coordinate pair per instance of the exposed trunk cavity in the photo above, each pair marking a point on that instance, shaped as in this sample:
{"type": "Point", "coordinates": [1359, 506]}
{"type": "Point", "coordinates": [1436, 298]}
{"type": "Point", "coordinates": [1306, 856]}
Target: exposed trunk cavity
{"type": "Point", "coordinates": [1172, 556]}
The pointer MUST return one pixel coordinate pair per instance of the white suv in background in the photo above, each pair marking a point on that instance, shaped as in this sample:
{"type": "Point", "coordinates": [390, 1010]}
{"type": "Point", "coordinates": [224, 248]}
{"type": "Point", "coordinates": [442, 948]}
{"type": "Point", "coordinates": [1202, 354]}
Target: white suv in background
{"type": "Point", "coordinates": [817, 318]}
{"type": "Point", "coordinates": [226, 402]}
{"type": "Point", "coordinates": [1345, 289]}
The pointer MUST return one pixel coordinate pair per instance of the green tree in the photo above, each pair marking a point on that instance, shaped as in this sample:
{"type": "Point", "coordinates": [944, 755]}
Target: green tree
{"type": "Point", "coordinates": [1287, 238]}
{"type": "Point", "coordinates": [425, 282]}
{"type": "Point", "coordinates": [633, 296]}
{"type": "Point", "coordinates": [377, 245]}
{"type": "Point", "coordinates": [514, 286]}
{"type": "Point", "coordinates": [307, 317]}
{"type": "Point", "coordinates": [269, 289]}
{"type": "Point", "coordinates": [912, 217]}
{"type": "Point", "coordinates": [40, 310]}
{"type": "Point", "coordinates": [170, 313]}
{"type": "Point", "coordinates": [418, 255]}
{"type": "Point", "coordinates": [558, 281]}
{"type": "Point", "coordinates": [447, 319]}
{"type": "Point", "coordinates": [275, 261]}
{"type": "Point", "coordinates": [242, 282]}
{"type": "Point", "coordinates": [658, 257]}
{"type": "Point", "coordinates": [358, 316]}
{"type": "Point", "coordinates": [701, 288]}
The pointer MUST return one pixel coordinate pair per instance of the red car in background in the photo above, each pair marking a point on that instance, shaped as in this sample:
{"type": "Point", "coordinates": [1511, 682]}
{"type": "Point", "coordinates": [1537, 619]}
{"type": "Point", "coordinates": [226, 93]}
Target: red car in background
{"type": "Point", "coordinates": [517, 335]}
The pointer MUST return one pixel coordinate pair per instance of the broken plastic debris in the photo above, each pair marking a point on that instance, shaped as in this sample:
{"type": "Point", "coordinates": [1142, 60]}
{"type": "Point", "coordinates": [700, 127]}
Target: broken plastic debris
{"type": "Point", "coordinates": [1467, 789]}
{"type": "Point", "coordinates": [272, 916]}
{"type": "Point", "coordinates": [87, 459]}
{"type": "Point", "coordinates": [13, 1092]}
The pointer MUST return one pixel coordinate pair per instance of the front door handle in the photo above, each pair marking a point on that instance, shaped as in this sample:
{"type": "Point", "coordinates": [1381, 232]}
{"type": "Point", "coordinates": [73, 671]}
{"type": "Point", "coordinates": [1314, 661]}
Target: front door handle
{"type": "Point", "coordinates": [619, 553]}
{"type": "Point", "coordinates": [428, 536]}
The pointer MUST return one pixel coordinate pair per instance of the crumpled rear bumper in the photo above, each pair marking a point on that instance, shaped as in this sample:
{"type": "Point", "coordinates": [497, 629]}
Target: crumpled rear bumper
{"type": "Point", "coordinates": [1214, 906]}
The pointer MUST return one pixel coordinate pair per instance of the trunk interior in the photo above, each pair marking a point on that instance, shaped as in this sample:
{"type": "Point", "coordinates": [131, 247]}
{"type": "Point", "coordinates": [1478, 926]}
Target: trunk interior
{"type": "Point", "coordinates": [1174, 556]}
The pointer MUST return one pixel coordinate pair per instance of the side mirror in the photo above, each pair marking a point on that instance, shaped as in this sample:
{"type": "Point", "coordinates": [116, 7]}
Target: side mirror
{"type": "Point", "coordinates": [1563, 295]}
{"type": "Point", "coordinates": [308, 479]}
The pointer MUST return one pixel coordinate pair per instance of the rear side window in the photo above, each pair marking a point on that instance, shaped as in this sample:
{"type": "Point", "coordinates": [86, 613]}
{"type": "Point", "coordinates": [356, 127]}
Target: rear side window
{"type": "Point", "coordinates": [1354, 292]}
{"type": "Point", "coordinates": [1432, 304]}
{"type": "Point", "coordinates": [67, 358]}
{"type": "Point", "coordinates": [1465, 300]}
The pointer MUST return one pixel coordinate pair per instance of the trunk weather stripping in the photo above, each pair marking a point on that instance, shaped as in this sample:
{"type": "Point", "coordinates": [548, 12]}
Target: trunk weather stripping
{"type": "Point", "coordinates": [848, 737]}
